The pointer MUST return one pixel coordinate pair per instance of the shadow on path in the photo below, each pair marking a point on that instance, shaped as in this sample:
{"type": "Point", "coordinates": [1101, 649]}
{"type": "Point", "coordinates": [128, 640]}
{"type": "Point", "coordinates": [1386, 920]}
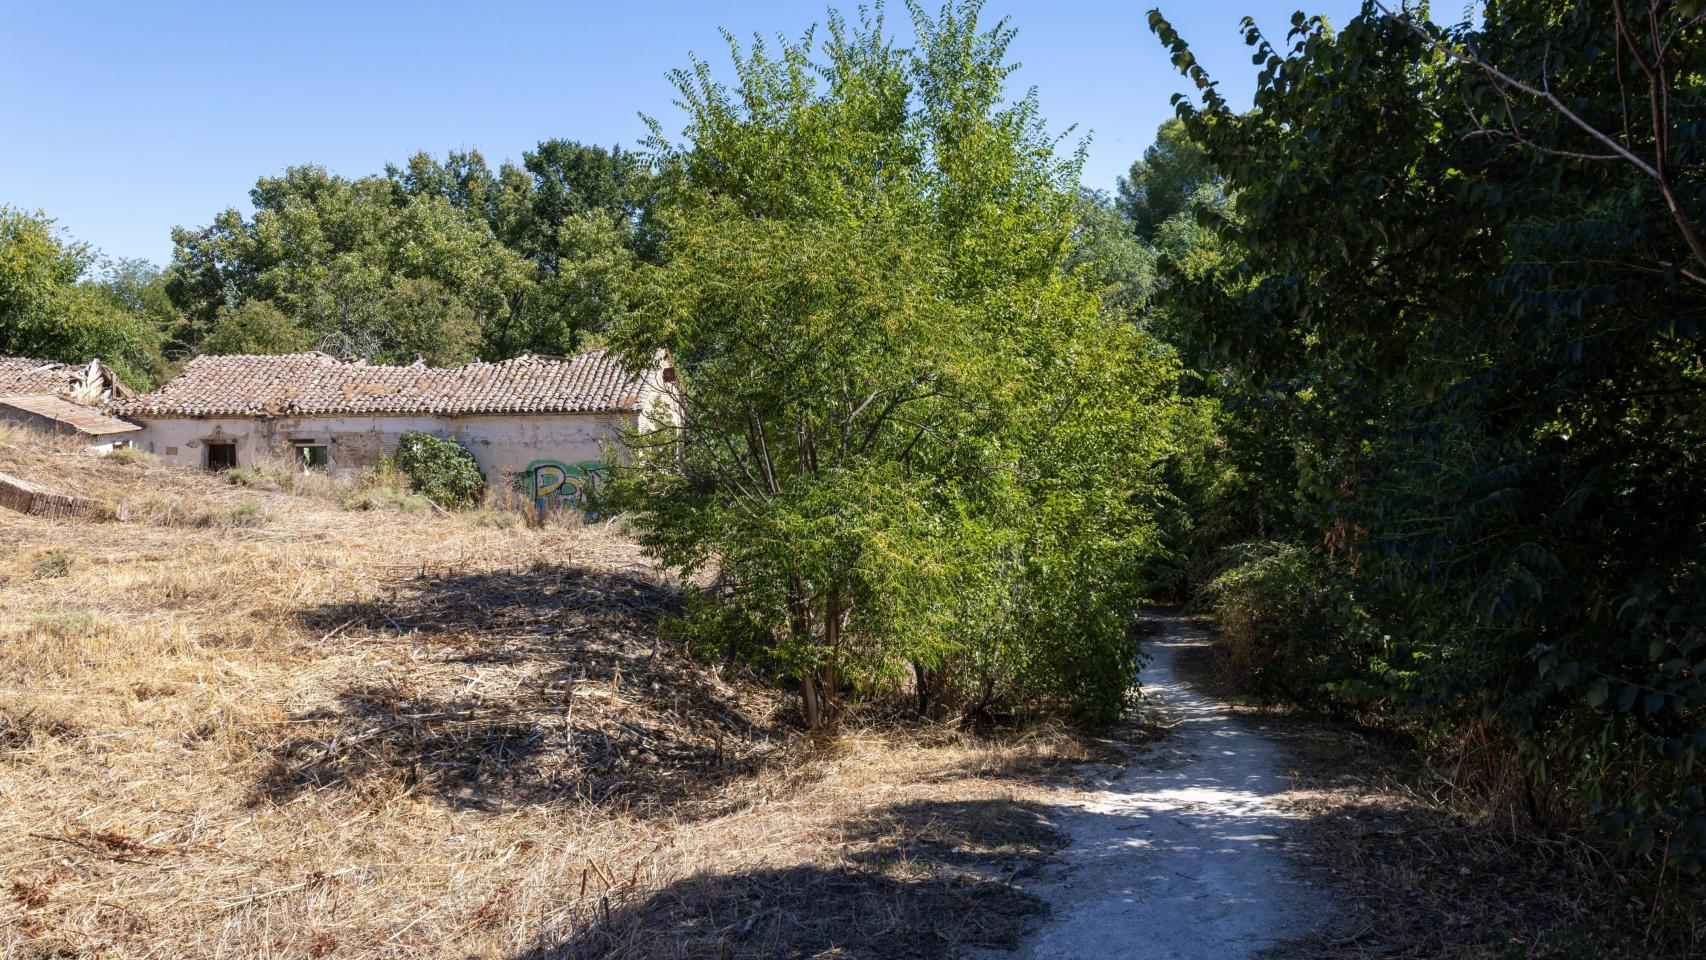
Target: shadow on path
{"type": "Point", "coordinates": [1184, 856]}
{"type": "Point", "coordinates": [919, 880]}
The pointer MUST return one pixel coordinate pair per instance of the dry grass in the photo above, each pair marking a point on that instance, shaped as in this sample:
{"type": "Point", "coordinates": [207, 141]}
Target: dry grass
{"type": "Point", "coordinates": [251, 724]}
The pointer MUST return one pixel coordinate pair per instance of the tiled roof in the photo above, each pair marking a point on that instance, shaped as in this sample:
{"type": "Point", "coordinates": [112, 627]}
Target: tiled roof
{"type": "Point", "coordinates": [309, 384]}
{"type": "Point", "coordinates": [93, 384]}
{"type": "Point", "coordinates": [24, 375]}
{"type": "Point", "coordinates": [83, 419]}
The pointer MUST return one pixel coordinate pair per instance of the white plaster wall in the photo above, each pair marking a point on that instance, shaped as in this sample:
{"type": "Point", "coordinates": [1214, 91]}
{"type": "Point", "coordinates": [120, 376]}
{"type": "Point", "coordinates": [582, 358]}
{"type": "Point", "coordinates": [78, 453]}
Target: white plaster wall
{"type": "Point", "coordinates": [102, 444]}
{"type": "Point", "coordinates": [504, 446]}
{"type": "Point", "coordinates": [660, 404]}
{"type": "Point", "coordinates": [112, 441]}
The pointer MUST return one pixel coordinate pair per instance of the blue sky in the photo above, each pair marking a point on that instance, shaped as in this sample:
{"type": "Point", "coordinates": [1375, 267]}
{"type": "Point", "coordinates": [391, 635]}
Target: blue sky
{"type": "Point", "coordinates": [123, 120]}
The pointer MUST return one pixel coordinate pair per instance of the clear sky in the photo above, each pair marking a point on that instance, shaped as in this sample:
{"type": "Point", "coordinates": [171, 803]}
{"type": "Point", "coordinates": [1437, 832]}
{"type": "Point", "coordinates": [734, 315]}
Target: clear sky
{"type": "Point", "coordinates": [124, 119]}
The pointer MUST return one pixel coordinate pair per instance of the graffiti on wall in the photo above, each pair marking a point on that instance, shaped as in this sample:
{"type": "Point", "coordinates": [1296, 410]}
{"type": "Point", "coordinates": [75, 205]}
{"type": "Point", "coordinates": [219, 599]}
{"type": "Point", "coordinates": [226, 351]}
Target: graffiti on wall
{"type": "Point", "coordinates": [554, 485]}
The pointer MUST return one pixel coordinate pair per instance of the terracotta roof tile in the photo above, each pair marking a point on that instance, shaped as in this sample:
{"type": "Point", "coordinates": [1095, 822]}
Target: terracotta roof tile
{"type": "Point", "coordinates": [92, 384]}
{"type": "Point", "coordinates": [308, 384]}
{"type": "Point", "coordinates": [25, 375]}
{"type": "Point", "coordinates": [81, 418]}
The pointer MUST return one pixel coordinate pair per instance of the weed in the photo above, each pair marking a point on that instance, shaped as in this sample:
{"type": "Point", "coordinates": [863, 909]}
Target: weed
{"type": "Point", "coordinates": [384, 498]}
{"type": "Point", "coordinates": [249, 513]}
{"type": "Point", "coordinates": [70, 625]}
{"type": "Point", "coordinates": [501, 519]}
{"type": "Point", "coordinates": [131, 455]}
{"type": "Point", "coordinates": [55, 563]}
{"type": "Point", "coordinates": [255, 477]}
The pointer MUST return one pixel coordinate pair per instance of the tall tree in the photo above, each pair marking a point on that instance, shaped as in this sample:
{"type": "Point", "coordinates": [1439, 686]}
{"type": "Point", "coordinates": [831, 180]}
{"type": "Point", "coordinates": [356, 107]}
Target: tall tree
{"type": "Point", "coordinates": [1160, 184]}
{"type": "Point", "coordinates": [1476, 317]}
{"type": "Point", "coordinates": [528, 258]}
{"type": "Point", "coordinates": [53, 305]}
{"type": "Point", "coordinates": [1110, 256]}
{"type": "Point", "coordinates": [347, 261]}
{"type": "Point", "coordinates": [912, 443]}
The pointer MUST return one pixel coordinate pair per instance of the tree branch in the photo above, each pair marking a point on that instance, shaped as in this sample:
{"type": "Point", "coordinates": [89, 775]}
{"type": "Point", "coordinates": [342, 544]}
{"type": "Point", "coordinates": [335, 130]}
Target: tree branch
{"type": "Point", "coordinates": [1660, 95]}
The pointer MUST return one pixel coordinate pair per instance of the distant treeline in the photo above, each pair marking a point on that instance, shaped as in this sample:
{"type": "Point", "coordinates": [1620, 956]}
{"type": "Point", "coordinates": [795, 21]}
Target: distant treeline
{"type": "Point", "coordinates": [446, 261]}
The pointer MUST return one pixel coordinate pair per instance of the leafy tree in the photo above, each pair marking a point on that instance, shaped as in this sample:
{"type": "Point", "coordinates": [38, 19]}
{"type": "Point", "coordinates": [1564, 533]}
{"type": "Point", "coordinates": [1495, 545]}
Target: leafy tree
{"type": "Point", "coordinates": [1161, 184]}
{"type": "Point", "coordinates": [346, 259]}
{"type": "Point", "coordinates": [139, 287]}
{"type": "Point", "coordinates": [912, 445]}
{"type": "Point", "coordinates": [36, 271]}
{"type": "Point", "coordinates": [587, 291]}
{"type": "Point", "coordinates": [257, 327]}
{"type": "Point", "coordinates": [1111, 257]}
{"type": "Point", "coordinates": [49, 309]}
{"type": "Point", "coordinates": [422, 318]}
{"type": "Point", "coordinates": [1475, 320]}
{"type": "Point", "coordinates": [523, 258]}
{"type": "Point", "coordinates": [576, 181]}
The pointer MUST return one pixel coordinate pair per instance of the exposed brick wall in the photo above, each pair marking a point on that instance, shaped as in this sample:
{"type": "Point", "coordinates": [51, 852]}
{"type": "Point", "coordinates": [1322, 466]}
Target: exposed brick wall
{"type": "Point", "coordinates": [28, 498]}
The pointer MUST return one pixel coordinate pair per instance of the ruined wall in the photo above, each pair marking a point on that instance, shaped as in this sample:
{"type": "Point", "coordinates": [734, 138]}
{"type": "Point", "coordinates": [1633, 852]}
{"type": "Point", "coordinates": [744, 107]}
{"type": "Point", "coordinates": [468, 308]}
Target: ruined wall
{"type": "Point", "coordinates": [541, 456]}
{"type": "Point", "coordinates": [102, 444]}
{"type": "Point", "coordinates": [25, 497]}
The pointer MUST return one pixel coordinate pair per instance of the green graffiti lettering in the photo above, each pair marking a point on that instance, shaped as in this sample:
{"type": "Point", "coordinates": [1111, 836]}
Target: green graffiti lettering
{"type": "Point", "coordinates": [554, 484]}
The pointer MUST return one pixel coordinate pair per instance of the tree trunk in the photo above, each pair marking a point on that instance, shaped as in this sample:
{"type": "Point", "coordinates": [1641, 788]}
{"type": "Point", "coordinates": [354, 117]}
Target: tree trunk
{"type": "Point", "coordinates": [810, 703]}
{"type": "Point", "coordinates": [926, 688]}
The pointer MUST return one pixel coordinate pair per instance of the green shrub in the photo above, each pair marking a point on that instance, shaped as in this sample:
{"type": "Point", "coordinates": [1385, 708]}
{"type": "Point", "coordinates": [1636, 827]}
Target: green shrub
{"type": "Point", "coordinates": [1271, 606]}
{"type": "Point", "coordinates": [249, 513]}
{"type": "Point", "coordinates": [54, 564]}
{"type": "Point", "coordinates": [440, 469]}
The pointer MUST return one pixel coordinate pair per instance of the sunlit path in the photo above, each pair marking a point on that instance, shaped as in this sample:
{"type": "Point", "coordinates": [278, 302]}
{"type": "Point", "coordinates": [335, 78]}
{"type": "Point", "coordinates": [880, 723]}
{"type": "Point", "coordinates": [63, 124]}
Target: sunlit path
{"type": "Point", "coordinates": [1184, 855]}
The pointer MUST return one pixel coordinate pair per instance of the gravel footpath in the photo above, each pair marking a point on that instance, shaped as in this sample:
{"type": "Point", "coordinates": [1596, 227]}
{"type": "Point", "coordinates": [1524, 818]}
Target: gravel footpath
{"type": "Point", "coordinates": [1184, 856]}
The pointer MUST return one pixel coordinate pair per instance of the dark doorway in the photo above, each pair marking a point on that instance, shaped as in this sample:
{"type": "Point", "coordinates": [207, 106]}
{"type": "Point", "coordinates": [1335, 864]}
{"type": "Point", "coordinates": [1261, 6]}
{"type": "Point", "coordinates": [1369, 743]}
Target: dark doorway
{"type": "Point", "coordinates": [222, 456]}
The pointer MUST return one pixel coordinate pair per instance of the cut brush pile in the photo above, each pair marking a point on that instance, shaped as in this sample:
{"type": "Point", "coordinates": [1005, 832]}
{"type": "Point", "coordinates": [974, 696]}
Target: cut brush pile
{"type": "Point", "coordinates": [248, 723]}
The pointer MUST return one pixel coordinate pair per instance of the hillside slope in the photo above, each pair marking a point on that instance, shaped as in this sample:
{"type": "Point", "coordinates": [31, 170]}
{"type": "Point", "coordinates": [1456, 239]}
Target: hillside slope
{"type": "Point", "coordinates": [255, 724]}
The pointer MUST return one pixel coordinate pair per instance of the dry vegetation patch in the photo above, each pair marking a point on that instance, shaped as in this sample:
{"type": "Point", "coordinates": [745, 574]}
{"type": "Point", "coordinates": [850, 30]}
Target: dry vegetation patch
{"type": "Point", "coordinates": [1429, 862]}
{"type": "Point", "coordinates": [331, 733]}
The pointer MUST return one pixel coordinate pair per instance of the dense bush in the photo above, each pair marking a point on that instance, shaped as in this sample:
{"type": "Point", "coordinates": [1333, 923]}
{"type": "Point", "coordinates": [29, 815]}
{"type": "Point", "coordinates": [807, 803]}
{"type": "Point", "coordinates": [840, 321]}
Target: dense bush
{"type": "Point", "coordinates": [918, 453]}
{"type": "Point", "coordinates": [1271, 609]}
{"type": "Point", "coordinates": [440, 469]}
{"type": "Point", "coordinates": [1471, 342]}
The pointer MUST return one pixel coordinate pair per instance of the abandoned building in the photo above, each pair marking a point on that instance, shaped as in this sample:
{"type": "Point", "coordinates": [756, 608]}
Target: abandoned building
{"type": "Point", "coordinates": [537, 424]}
{"type": "Point", "coordinates": [65, 399]}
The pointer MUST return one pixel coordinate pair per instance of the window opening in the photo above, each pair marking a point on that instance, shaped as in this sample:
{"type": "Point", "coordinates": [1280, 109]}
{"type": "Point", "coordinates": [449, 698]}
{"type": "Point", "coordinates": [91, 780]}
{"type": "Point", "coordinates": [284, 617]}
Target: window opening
{"type": "Point", "coordinates": [312, 456]}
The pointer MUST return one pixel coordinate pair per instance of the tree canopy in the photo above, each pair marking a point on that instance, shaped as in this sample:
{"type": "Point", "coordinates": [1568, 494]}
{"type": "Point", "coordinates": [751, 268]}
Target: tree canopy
{"type": "Point", "coordinates": [914, 446]}
{"type": "Point", "coordinates": [1454, 329]}
{"type": "Point", "coordinates": [441, 260]}
{"type": "Point", "coordinates": [58, 301]}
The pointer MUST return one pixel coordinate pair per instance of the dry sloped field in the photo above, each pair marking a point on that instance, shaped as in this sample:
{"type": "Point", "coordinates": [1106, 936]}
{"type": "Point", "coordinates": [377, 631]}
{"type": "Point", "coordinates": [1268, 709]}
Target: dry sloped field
{"type": "Point", "coordinates": [249, 724]}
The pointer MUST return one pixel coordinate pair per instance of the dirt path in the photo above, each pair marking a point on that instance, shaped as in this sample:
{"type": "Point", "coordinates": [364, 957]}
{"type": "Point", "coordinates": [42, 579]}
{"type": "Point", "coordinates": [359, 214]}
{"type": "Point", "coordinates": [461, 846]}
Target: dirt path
{"type": "Point", "coordinates": [1184, 855]}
